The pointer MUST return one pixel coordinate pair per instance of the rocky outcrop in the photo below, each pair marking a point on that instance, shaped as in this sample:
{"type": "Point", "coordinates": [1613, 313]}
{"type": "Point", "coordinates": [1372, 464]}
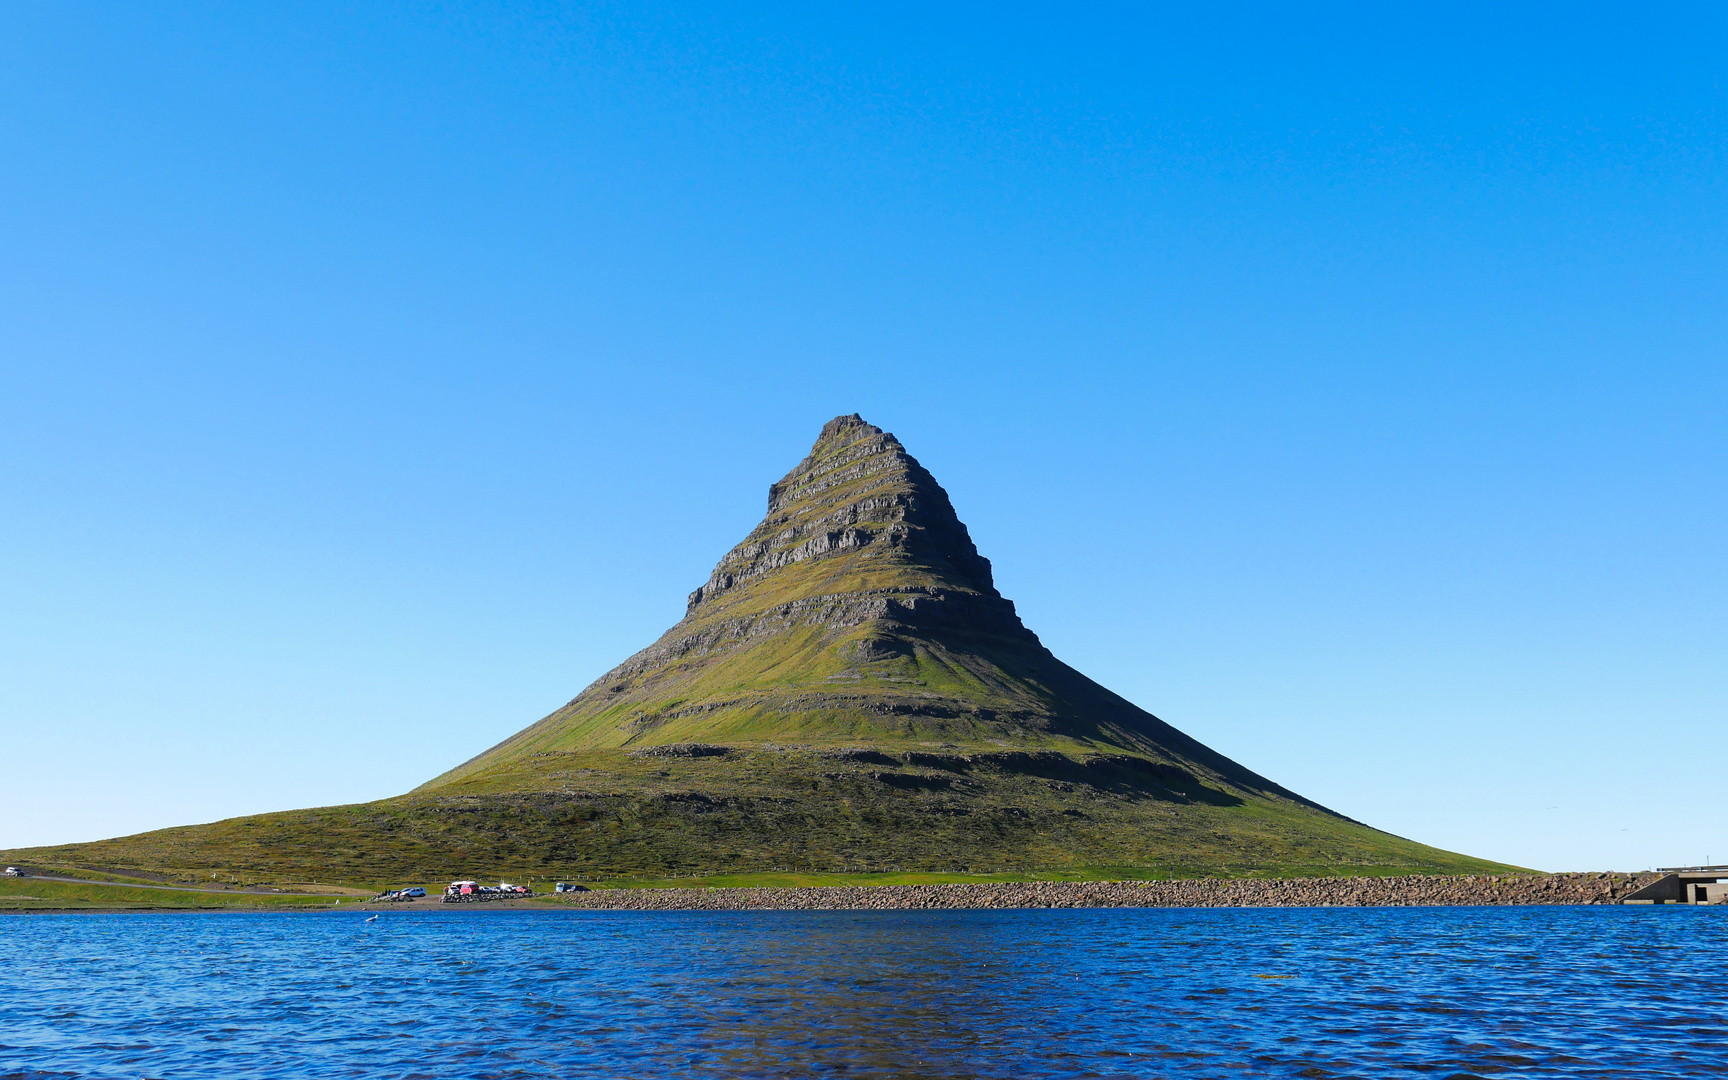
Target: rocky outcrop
{"type": "Point", "coordinates": [857, 488]}
{"type": "Point", "coordinates": [919, 611]}
{"type": "Point", "coordinates": [684, 750]}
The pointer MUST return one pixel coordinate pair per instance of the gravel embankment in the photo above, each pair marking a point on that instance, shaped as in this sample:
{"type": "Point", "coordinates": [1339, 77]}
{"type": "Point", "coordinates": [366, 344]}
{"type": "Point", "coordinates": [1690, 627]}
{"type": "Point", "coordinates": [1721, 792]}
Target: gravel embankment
{"type": "Point", "coordinates": [1410, 891]}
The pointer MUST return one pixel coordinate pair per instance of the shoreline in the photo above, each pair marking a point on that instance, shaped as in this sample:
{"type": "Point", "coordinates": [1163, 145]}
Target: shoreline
{"type": "Point", "coordinates": [1431, 890]}
{"type": "Point", "coordinates": [1406, 891]}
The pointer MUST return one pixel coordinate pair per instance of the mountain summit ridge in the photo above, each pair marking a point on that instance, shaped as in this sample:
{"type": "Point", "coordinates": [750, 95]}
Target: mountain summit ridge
{"type": "Point", "coordinates": [901, 506]}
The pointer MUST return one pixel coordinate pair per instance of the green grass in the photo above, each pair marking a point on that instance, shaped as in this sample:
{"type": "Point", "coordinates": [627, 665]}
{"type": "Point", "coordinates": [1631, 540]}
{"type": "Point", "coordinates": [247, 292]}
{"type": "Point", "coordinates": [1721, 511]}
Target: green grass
{"type": "Point", "coordinates": [800, 814]}
{"type": "Point", "coordinates": [35, 894]}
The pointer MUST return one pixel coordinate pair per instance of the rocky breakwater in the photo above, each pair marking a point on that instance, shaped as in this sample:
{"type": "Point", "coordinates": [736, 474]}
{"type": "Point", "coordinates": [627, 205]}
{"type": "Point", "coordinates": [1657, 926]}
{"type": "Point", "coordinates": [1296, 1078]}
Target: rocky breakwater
{"type": "Point", "coordinates": [1407, 891]}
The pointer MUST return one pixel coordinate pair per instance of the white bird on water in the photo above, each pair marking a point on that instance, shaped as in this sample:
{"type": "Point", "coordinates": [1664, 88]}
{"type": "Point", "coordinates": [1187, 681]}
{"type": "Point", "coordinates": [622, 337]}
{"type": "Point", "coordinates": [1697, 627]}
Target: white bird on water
{"type": "Point", "coordinates": [373, 919]}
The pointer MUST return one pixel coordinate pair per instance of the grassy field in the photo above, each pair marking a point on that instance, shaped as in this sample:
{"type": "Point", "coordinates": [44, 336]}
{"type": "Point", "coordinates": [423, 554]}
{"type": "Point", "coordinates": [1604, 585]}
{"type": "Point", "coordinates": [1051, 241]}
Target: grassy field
{"type": "Point", "coordinates": [35, 894]}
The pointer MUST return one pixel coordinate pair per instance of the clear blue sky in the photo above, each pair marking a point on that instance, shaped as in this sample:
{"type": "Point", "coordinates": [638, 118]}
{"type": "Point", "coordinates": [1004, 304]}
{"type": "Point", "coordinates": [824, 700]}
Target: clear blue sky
{"type": "Point", "coordinates": [1345, 387]}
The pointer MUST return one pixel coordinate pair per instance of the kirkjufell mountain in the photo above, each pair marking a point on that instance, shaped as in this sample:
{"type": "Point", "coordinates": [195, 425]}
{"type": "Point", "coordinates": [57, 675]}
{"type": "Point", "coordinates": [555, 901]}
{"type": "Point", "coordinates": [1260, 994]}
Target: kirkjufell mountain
{"type": "Point", "coordinates": [858, 614]}
{"type": "Point", "coordinates": [847, 691]}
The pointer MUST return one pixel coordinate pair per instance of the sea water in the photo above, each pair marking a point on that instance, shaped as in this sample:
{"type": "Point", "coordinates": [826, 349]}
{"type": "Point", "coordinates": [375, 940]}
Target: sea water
{"type": "Point", "coordinates": [1332, 992]}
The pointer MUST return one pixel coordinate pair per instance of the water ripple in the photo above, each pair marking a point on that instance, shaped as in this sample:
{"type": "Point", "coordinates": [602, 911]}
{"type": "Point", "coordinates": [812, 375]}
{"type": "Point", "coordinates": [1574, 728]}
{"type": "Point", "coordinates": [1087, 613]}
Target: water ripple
{"type": "Point", "coordinates": [1321, 993]}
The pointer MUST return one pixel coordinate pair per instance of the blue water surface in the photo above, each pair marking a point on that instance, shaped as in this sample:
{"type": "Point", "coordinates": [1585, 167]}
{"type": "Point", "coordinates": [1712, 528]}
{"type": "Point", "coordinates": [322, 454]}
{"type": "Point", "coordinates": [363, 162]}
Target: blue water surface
{"type": "Point", "coordinates": [1316, 992]}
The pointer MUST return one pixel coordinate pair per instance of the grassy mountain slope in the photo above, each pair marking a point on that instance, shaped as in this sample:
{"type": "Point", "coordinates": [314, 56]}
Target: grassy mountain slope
{"type": "Point", "coordinates": [858, 612]}
{"type": "Point", "coordinates": [608, 814]}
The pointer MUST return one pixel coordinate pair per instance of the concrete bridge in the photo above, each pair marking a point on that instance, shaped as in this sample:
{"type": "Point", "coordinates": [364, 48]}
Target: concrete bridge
{"type": "Point", "coordinates": [1684, 885]}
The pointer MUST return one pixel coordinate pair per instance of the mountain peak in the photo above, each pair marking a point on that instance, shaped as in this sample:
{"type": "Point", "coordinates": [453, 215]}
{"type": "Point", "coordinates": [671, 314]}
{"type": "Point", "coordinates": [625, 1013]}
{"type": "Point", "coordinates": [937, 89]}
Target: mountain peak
{"type": "Point", "coordinates": [848, 689]}
{"type": "Point", "coordinates": [858, 514]}
{"type": "Point", "coordinates": [844, 427]}
{"type": "Point", "coordinates": [859, 609]}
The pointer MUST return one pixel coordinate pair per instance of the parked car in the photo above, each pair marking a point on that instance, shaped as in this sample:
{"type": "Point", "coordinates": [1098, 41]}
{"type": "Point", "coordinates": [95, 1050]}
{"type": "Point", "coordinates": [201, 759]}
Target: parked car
{"type": "Point", "coordinates": [415, 891]}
